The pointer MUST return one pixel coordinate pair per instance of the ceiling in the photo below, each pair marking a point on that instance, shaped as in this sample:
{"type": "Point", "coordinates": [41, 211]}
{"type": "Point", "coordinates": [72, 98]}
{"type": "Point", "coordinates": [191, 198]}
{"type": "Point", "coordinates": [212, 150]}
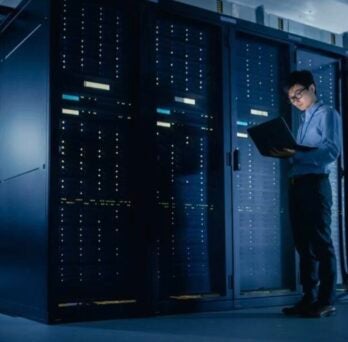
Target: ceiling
{"type": "Point", "coordinates": [330, 15]}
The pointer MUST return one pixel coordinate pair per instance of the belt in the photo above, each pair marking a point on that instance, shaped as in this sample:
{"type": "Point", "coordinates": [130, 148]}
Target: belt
{"type": "Point", "coordinates": [308, 177]}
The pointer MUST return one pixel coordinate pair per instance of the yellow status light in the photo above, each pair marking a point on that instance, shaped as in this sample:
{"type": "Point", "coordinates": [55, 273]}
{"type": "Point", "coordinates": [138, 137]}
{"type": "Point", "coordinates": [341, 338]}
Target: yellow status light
{"type": "Point", "coordinates": [163, 124]}
{"type": "Point", "coordinates": [242, 135]}
{"type": "Point", "coordinates": [96, 85]}
{"type": "Point", "coordinates": [70, 111]}
{"type": "Point", "coordinates": [185, 100]}
{"type": "Point", "coordinates": [258, 112]}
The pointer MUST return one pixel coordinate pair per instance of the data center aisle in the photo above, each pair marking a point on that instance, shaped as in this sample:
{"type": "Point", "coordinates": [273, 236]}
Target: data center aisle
{"type": "Point", "coordinates": [263, 324]}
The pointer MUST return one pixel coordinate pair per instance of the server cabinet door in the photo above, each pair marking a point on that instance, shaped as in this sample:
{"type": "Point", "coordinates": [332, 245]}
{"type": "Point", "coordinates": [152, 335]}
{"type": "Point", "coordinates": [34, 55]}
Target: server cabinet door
{"type": "Point", "coordinates": [184, 106]}
{"type": "Point", "coordinates": [263, 252]}
{"type": "Point", "coordinates": [96, 252]}
{"type": "Point", "coordinates": [326, 71]}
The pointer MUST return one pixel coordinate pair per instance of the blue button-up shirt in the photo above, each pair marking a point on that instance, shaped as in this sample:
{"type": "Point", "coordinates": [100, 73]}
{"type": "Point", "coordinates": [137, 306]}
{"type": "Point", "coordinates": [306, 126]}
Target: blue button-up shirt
{"type": "Point", "coordinates": [320, 127]}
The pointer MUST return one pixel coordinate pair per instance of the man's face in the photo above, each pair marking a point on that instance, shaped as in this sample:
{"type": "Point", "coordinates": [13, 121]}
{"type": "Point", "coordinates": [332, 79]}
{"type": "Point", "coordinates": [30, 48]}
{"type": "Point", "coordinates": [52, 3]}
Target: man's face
{"type": "Point", "coordinates": [302, 97]}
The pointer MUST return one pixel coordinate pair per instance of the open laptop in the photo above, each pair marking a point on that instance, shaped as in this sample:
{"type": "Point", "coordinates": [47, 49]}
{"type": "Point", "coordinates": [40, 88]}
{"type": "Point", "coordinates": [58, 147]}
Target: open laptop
{"type": "Point", "coordinates": [274, 134]}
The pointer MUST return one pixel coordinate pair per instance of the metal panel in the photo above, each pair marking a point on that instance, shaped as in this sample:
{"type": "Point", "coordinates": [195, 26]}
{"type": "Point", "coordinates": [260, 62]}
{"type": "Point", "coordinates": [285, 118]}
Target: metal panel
{"type": "Point", "coordinates": [24, 95]}
{"type": "Point", "coordinates": [95, 242]}
{"type": "Point", "coordinates": [185, 111]}
{"type": "Point", "coordinates": [239, 11]}
{"type": "Point", "coordinates": [208, 5]}
{"type": "Point", "coordinates": [265, 257]}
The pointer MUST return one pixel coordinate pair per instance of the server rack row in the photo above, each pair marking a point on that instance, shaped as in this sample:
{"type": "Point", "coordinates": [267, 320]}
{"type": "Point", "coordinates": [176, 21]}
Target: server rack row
{"type": "Point", "coordinates": [153, 198]}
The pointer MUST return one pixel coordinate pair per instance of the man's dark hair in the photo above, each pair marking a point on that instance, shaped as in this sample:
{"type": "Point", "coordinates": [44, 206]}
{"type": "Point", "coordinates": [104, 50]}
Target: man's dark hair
{"type": "Point", "coordinates": [302, 77]}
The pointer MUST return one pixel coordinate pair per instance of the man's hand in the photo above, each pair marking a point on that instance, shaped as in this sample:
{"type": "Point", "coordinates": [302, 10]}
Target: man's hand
{"type": "Point", "coordinates": [282, 153]}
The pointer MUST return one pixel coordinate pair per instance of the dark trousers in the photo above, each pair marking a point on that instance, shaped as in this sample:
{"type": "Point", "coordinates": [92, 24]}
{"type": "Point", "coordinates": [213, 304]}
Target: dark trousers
{"type": "Point", "coordinates": [310, 213]}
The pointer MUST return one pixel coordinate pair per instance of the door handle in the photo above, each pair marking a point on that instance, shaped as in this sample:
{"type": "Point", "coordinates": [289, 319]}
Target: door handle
{"type": "Point", "coordinates": [236, 160]}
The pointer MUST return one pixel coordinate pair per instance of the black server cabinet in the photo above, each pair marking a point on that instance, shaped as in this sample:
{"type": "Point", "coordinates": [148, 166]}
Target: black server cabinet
{"type": "Point", "coordinates": [326, 70]}
{"type": "Point", "coordinates": [263, 256]}
{"type": "Point", "coordinates": [97, 254]}
{"type": "Point", "coordinates": [184, 106]}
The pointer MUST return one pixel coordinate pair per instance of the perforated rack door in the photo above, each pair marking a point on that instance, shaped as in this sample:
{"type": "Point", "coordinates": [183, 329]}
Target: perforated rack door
{"type": "Point", "coordinates": [96, 255]}
{"type": "Point", "coordinates": [186, 113]}
{"type": "Point", "coordinates": [259, 185]}
{"type": "Point", "coordinates": [325, 71]}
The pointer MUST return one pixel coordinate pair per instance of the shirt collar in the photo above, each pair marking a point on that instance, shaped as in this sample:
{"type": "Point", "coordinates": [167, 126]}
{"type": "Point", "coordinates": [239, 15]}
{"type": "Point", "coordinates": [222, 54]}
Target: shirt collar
{"type": "Point", "coordinates": [310, 111]}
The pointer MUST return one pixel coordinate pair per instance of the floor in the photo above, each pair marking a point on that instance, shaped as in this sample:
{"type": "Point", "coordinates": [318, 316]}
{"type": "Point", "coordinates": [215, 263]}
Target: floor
{"type": "Point", "coordinates": [261, 324]}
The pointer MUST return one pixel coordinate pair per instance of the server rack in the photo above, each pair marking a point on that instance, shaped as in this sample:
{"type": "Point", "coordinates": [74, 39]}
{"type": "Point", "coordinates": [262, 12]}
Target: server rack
{"type": "Point", "coordinates": [129, 107]}
{"type": "Point", "coordinates": [98, 257]}
{"type": "Point", "coordinates": [184, 101]}
{"type": "Point", "coordinates": [263, 256]}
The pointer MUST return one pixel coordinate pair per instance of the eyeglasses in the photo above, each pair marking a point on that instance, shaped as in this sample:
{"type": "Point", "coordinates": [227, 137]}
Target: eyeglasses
{"type": "Point", "coordinates": [297, 96]}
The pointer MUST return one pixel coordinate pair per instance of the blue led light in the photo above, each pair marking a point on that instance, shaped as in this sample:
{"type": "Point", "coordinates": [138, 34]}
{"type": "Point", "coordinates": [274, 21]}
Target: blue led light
{"type": "Point", "coordinates": [242, 123]}
{"type": "Point", "coordinates": [163, 111]}
{"type": "Point", "coordinates": [70, 97]}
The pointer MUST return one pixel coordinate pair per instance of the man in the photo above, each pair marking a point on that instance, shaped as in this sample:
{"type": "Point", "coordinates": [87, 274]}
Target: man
{"type": "Point", "coordinates": [310, 197]}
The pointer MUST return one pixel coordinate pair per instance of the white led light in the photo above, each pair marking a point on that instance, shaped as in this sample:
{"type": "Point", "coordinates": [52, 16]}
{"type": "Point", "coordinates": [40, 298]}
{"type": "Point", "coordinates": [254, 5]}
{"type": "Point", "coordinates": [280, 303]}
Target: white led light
{"type": "Point", "coordinates": [185, 100]}
{"type": "Point", "coordinates": [163, 124]}
{"type": "Point", "coordinates": [242, 135]}
{"type": "Point", "coordinates": [258, 112]}
{"type": "Point", "coordinates": [95, 85]}
{"type": "Point", "coordinates": [70, 111]}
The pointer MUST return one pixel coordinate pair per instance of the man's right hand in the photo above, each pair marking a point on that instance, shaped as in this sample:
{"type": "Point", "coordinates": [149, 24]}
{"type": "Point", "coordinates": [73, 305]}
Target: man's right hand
{"type": "Point", "coordinates": [282, 153]}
